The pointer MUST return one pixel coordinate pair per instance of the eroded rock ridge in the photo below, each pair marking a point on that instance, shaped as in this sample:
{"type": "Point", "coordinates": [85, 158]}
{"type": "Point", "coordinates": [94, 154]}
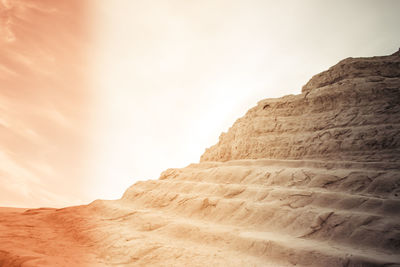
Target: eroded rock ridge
{"type": "Point", "coordinates": [350, 112]}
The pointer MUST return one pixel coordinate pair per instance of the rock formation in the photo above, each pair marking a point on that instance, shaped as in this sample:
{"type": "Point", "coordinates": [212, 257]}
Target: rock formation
{"type": "Point", "coordinates": [306, 180]}
{"type": "Point", "coordinates": [347, 113]}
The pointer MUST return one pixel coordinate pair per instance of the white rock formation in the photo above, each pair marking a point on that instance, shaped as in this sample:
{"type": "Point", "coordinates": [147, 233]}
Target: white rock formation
{"type": "Point", "coordinates": [303, 180]}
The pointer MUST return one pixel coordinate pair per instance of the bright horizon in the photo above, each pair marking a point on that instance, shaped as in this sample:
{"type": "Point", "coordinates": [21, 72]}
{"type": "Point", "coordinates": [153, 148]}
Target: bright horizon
{"type": "Point", "coordinates": [133, 88]}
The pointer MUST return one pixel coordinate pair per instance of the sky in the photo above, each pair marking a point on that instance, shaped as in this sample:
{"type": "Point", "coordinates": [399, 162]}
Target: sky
{"type": "Point", "coordinates": [96, 95]}
{"type": "Point", "coordinates": [43, 102]}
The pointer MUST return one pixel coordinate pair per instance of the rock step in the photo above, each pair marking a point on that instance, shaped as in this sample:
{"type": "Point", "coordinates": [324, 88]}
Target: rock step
{"type": "Point", "coordinates": [293, 197]}
{"type": "Point", "coordinates": [340, 225]}
{"type": "Point", "coordinates": [150, 238]}
{"type": "Point", "coordinates": [265, 245]}
{"type": "Point", "coordinates": [366, 125]}
{"type": "Point", "coordinates": [374, 183]}
{"type": "Point", "coordinates": [328, 166]}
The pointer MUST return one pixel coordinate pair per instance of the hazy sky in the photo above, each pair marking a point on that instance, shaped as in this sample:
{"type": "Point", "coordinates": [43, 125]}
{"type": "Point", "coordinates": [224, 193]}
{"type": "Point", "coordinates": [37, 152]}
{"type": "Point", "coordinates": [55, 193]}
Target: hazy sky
{"type": "Point", "coordinates": [44, 100]}
{"type": "Point", "coordinates": [147, 85]}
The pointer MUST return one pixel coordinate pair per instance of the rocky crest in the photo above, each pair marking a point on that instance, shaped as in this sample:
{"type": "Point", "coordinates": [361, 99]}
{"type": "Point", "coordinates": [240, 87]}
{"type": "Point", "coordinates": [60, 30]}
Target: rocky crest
{"type": "Point", "coordinates": [303, 180]}
{"type": "Point", "coordinates": [350, 112]}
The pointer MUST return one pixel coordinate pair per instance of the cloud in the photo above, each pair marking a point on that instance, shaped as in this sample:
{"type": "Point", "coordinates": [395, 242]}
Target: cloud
{"type": "Point", "coordinates": [6, 19]}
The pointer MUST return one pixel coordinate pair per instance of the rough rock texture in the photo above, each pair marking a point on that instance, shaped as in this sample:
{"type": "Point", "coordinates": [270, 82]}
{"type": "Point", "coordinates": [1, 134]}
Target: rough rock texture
{"type": "Point", "coordinates": [350, 112]}
{"type": "Point", "coordinates": [304, 180]}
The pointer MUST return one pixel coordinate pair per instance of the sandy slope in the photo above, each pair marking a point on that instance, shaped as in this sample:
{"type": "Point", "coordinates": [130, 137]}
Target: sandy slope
{"type": "Point", "coordinates": [39, 238]}
{"type": "Point", "coordinates": [307, 180]}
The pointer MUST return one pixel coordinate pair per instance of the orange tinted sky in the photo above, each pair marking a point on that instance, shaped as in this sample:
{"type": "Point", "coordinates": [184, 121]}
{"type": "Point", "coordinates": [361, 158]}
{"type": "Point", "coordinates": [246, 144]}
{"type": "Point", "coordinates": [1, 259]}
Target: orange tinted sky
{"type": "Point", "coordinates": [44, 102]}
{"type": "Point", "coordinates": [98, 94]}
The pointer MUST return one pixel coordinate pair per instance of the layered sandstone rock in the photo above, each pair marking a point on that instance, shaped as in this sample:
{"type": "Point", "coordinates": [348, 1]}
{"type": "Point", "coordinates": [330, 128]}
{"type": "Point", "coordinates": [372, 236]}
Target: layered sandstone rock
{"type": "Point", "coordinates": [304, 180]}
{"type": "Point", "coordinates": [350, 112]}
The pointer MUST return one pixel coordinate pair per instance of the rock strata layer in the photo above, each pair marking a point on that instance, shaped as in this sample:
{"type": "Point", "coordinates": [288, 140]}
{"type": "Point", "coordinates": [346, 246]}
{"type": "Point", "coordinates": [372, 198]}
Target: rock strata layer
{"type": "Point", "coordinates": [350, 112]}
{"type": "Point", "coordinates": [303, 180]}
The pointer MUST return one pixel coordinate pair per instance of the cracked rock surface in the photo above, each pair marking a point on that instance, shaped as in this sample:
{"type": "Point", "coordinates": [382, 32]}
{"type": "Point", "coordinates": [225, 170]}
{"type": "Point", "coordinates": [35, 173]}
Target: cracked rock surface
{"type": "Point", "coordinates": [350, 112]}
